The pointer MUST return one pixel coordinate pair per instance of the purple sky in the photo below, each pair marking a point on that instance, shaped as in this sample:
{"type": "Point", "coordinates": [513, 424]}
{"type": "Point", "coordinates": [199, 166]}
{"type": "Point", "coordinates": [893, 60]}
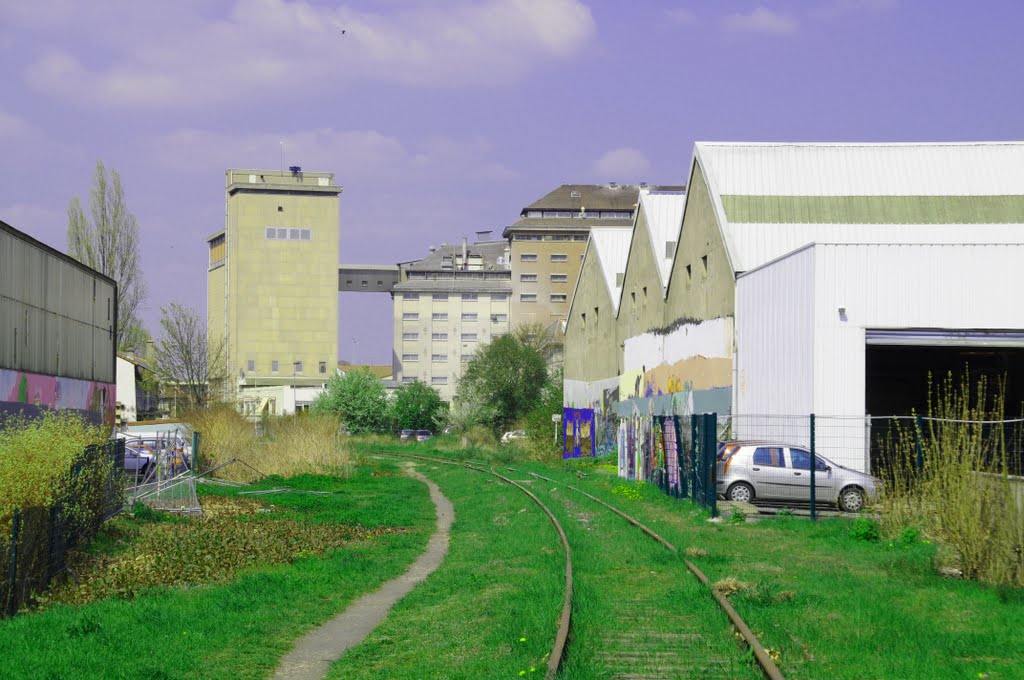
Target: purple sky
{"type": "Point", "coordinates": [440, 122]}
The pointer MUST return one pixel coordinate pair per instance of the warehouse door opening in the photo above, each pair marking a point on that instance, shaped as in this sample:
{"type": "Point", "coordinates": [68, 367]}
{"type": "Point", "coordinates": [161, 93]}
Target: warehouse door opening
{"type": "Point", "coordinates": [898, 365]}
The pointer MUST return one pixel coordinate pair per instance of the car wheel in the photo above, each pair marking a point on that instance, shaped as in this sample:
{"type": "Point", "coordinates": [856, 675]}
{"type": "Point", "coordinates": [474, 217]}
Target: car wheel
{"type": "Point", "coordinates": [851, 499]}
{"type": "Point", "coordinates": [740, 492]}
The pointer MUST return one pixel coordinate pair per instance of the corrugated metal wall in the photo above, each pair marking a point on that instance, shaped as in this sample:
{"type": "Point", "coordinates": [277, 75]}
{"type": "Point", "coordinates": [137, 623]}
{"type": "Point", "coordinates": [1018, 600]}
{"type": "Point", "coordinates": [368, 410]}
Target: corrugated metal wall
{"type": "Point", "coordinates": [55, 317]}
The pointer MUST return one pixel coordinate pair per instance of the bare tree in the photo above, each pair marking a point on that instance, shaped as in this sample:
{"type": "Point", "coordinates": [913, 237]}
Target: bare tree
{"type": "Point", "coordinates": [185, 361]}
{"type": "Point", "coordinates": [109, 243]}
{"type": "Point", "coordinates": [547, 340]}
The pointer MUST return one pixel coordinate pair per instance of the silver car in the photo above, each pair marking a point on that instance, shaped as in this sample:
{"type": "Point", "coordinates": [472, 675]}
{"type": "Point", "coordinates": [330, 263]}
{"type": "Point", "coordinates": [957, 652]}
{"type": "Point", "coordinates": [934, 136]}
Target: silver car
{"type": "Point", "coordinates": [780, 472]}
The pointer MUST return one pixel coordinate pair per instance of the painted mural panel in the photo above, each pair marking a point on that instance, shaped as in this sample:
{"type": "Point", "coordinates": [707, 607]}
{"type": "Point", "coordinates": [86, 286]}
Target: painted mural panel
{"type": "Point", "coordinates": [601, 397]}
{"type": "Point", "coordinates": [578, 428]}
{"type": "Point", "coordinates": [31, 395]}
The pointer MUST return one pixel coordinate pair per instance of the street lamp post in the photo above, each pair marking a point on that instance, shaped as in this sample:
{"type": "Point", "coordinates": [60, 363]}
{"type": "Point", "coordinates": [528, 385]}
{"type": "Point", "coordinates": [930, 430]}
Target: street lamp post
{"type": "Point", "coordinates": [295, 389]}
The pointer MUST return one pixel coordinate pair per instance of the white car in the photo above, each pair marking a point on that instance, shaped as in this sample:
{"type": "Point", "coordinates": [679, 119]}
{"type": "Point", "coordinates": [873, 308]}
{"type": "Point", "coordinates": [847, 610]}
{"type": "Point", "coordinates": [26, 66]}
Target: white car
{"type": "Point", "coordinates": [514, 434]}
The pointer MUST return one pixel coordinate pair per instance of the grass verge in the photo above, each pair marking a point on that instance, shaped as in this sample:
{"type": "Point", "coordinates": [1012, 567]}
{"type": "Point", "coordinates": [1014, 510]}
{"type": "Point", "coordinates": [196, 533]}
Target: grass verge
{"type": "Point", "coordinates": [241, 628]}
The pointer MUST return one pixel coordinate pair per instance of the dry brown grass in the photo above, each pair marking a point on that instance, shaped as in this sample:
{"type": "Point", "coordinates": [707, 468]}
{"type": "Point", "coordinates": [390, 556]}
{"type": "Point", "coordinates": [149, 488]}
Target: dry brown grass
{"type": "Point", "coordinates": [292, 446]}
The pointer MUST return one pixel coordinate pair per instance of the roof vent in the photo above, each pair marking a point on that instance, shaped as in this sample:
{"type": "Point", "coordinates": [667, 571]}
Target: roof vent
{"type": "Point", "coordinates": [575, 194]}
{"type": "Point", "coordinates": [612, 185]}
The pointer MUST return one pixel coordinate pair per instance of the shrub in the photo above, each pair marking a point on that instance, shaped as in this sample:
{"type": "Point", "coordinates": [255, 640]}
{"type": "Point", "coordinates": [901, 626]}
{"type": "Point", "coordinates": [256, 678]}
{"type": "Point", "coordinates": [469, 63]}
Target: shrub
{"type": "Point", "coordinates": [540, 431]}
{"type": "Point", "coordinates": [358, 398]}
{"type": "Point", "coordinates": [417, 406]}
{"type": "Point", "coordinates": [864, 529]}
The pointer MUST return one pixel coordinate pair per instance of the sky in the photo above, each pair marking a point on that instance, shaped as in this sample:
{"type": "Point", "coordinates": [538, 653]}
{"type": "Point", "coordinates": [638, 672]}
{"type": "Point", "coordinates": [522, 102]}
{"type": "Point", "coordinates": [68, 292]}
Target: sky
{"type": "Point", "coordinates": [443, 118]}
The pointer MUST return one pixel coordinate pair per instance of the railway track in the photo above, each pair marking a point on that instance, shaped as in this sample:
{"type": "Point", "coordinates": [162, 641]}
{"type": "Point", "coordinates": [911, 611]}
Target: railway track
{"type": "Point", "coordinates": [634, 648]}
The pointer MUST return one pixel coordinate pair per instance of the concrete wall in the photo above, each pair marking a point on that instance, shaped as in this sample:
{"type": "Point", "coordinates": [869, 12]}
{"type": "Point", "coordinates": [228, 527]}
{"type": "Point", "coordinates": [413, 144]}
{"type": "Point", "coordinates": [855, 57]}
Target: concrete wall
{"type": "Point", "coordinates": [642, 307]}
{"type": "Point", "coordinates": [545, 309]}
{"type": "Point", "coordinates": [591, 345]}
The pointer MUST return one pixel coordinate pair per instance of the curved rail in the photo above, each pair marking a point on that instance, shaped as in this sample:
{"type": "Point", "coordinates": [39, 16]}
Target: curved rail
{"type": "Point", "coordinates": [562, 637]}
{"type": "Point", "coordinates": [760, 653]}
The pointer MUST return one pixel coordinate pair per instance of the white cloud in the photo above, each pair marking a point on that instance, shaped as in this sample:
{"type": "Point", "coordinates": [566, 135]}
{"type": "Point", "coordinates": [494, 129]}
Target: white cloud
{"type": "Point", "coordinates": [624, 164]}
{"type": "Point", "coordinates": [680, 16]}
{"type": "Point", "coordinates": [12, 126]}
{"type": "Point", "coordinates": [760, 20]}
{"type": "Point", "coordinates": [157, 59]}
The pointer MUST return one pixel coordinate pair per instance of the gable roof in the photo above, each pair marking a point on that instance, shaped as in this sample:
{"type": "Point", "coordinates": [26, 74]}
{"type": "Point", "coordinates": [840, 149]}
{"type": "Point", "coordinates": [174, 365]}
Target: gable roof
{"type": "Point", "coordinates": [612, 245]}
{"type": "Point", "coordinates": [664, 213]}
{"type": "Point", "coordinates": [772, 198]}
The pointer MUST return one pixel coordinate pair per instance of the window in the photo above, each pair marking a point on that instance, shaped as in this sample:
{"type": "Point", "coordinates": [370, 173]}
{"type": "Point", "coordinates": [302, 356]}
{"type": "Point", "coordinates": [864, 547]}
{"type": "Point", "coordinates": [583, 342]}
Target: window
{"type": "Point", "coordinates": [769, 457]}
{"type": "Point", "coordinates": [559, 258]}
{"type": "Point", "coordinates": [288, 233]}
{"type": "Point", "coordinates": [323, 367]}
{"type": "Point", "coordinates": [297, 366]}
{"type": "Point", "coordinates": [528, 297]}
{"type": "Point", "coordinates": [499, 297]}
{"type": "Point", "coordinates": [704, 261]}
{"type": "Point", "coordinates": [558, 297]}
{"type": "Point", "coordinates": [670, 249]}
{"type": "Point", "coordinates": [273, 366]}
{"type": "Point", "coordinates": [306, 234]}
{"type": "Point", "coordinates": [271, 232]}
{"type": "Point", "coordinates": [410, 316]}
{"type": "Point", "coordinates": [559, 278]}
{"type": "Point", "coordinates": [689, 272]}
{"type": "Point", "coordinates": [583, 319]}
{"type": "Point", "coordinates": [469, 316]}
{"type": "Point", "coordinates": [438, 357]}
{"type": "Point", "coordinates": [364, 284]}
{"type": "Point", "coordinates": [619, 278]}
{"type": "Point", "coordinates": [469, 337]}
{"type": "Point", "coordinates": [469, 296]}
{"type": "Point", "coordinates": [410, 357]}
{"type": "Point", "coordinates": [439, 336]}
{"type": "Point", "coordinates": [499, 318]}
{"type": "Point", "coordinates": [527, 278]}
{"type": "Point", "coordinates": [801, 460]}
{"type": "Point", "coordinates": [251, 365]}
{"type": "Point", "coordinates": [439, 296]}
{"type": "Point", "coordinates": [534, 214]}
{"type": "Point", "coordinates": [410, 336]}
{"type": "Point", "coordinates": [411, 296]}
{"type": "Point", "coordinates": [439, 380]}
{"type": "Point", "coordinates": [528, 257]}
{"type": "Point", "coordinates": [439, 316]}
{"type": "Point", "coordinates": [407, 379]}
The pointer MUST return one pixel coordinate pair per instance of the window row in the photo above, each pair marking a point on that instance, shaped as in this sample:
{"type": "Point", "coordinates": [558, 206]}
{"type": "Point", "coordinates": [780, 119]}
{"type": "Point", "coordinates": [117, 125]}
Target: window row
{"type": "Point", "coordinates": [288, 234]}
{"type": "Point", "coordinates": [434, 380]}
{"type": "Point", "coordinates": [532, 257]}
{"type": "Point", "coordinates": [532, 278]}
{"type": "Point", "coordinates": [532, 297]}
{"type": "Point", "coordinates": [443, 316]}
{"type": "Point", "coordinates": [580, 214]}
{"type": "Point", "coordinates": [497, 297]}
{"type": "Point", "coordinates": [275, 366]}
{"type": "Point", "coordinates": [549, 237]}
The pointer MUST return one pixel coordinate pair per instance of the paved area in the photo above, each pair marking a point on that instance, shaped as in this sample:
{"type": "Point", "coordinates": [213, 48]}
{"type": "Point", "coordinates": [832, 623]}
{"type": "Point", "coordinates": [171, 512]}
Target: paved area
{"type": "Point", "coordinates": [313, 654]}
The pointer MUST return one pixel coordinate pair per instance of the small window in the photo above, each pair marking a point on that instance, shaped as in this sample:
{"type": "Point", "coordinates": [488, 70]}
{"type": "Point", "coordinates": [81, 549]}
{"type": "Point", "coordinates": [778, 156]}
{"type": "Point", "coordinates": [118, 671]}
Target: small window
{"type": "Point", "coordinates": [348, 282]}
{"type": "Point", "coordinates": [411, 296]}
{"type": "Point", "coordinates": [297, 366]}
{"type": "Point", "coordinates": [410, 336]}
{"type": "Point", "coordinates": [407, 379]}
{"type": "Point", "coordinates": [499, 297]}
{"type": "Point", "coordinates": [439, 296]}
{"type": "Point", "coordinates": [438, 358]}
{"type": "Point", "coordinates": [294, 234]}
{"type": "Point", "coordinates": [280, 208]}
{"type": "Point", "coordinates": [689, 272]}
{"type": "Point", "coordinates": [273, 366]}
{"type": "Point", "coordinates": [469, 296]}
{"type": "Point", "coordinates": [466, 358]}
{"type": "Point", "coordinates": [270, 232]}
{"type": "Point", "coordinates": [558, 297]}
{"type": "Point", "coordinates": [769, 456]}
{"type": "Point", "coordinates": [410, 316]}
{"type": "Point", "coordinates": [439, 336]}
{"type": "Point", "coordinates": [469, 316]}
{"type": "Point", "coordinates": [559, 258]}
{"type": "Point", "coordinates": [410, 357]}
{"type": "Point", "coordinates": [439, 380]}
{"type": "Point", "coordinates": [439, 316]}
{"type": "Point", "coordinates": [282, 233]}
{"type": "Point", "coordinates": [323, 367]}
{"type": "Point", "coordinates": [306, 234]}
{"type": "Point", "coordinates": [583, 319]}
{"type": "Point", "coordinates": [670, 249]}
{"type": "Point", "coordinates": [528, 257]}
{"type": "Point", "coordinates": [499, 318]}
{"type": "Point", "coordinates": [528, 297]}
{"type": "Point", "coordinates": [364, 284]}
{"type": "Point", "coordinates": [559, 278]}
{"type": "Point", "coordinates": [469, 337]}
{"type": "Point", "coordinates": [251, 365]}
{"type": "Point", "coordinates": [527, 278]}
{"type": "Point", "coordinates": [704, 261]}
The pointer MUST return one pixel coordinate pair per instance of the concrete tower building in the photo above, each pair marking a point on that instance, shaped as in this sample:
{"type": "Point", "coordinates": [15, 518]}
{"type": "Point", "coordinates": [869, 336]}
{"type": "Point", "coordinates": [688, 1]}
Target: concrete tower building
{"type": "Point", "coordinates": [272, 287]}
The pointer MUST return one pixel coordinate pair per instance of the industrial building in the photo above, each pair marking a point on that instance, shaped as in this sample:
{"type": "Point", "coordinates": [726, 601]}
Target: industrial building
{"type": "Point", "coordinates": [57, 337]}
{"type": "Point", "coordinates": [445, 306]}
{"type": "Point", "coordinates": [812, 278]}
{"type": "Point", "coordinates": [272, 288]}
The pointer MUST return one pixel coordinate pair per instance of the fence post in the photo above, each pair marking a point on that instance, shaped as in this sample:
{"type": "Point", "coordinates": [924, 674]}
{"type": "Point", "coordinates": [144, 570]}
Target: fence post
{"type": "Point", "coordinates": [814, 471]}
{"type": "Point", "coordinates": [194, 463]}
{"type": "Point", "coordinates": [692, 472]}
{"type": "Point", "coordinates": [712, 454]}
{"type": "Point", "coordinates": [13, 571]}
{"type": "Point", "coordinates": [918, 448]}
{"type": "Point", "coordinates": [680, 490]}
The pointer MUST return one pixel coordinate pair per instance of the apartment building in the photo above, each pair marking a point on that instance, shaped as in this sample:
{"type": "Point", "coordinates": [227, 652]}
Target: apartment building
{"type": "Point", "coordinates": [445, 306]}
{"type": "Point", "coordinates": [272, 287]}
{"type": "Point", "coordinates": [548, 241]}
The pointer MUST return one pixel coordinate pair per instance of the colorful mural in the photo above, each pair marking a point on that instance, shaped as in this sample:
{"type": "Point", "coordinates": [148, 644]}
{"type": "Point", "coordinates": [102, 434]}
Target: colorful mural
{"type": "Point", "coordinates": [31, 395]}
{"type": "Point", "coordinates": [578, 428]}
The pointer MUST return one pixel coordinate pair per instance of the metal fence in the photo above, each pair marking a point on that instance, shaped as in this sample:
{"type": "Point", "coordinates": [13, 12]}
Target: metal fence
{"type": "Point", "coordinates": [34, 550]}
{"type": "Point", "coordinates": [768, 459]}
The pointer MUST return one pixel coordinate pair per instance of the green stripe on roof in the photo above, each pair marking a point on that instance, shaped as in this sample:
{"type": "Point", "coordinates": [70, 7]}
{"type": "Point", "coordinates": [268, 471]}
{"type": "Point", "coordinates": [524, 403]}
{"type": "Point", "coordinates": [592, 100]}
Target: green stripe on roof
{"type": "Point", "coordinates": [874, 209]}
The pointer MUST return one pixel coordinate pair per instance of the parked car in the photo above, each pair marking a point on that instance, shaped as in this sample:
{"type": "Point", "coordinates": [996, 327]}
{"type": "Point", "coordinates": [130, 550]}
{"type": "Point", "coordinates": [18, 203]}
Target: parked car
{"type": "Point", "coordinates": [423, 435]}
{"type": "Point", "coordinates": [406, 435]}
{"type": "Point", "coordinates": [137, 460]}
{"type": "Point", "coordinates": [780, 472]}
{"type": "Point", "coordinates": [514, 434]}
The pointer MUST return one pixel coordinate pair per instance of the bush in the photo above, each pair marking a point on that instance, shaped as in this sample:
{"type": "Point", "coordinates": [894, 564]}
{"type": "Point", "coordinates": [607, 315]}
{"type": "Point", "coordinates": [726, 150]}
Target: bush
{"type": "Point", "coordinates": [502, 383]}
{"type": "Point", "coordinates": [540, 430]}
{"type": "Point", "coordinates": [36, 458]}
{"type": "Point", "coordinates": [358, 398]}
{"type": "Point", "coordinates": [864, 529]}
{"type": "Point", "coordinates": [417, 406]}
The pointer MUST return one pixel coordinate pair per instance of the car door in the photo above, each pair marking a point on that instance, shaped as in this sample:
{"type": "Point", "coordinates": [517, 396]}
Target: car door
{"type": "Point", "coordinates": [800, 469]}
{"type": "Point", "coordinates": [768, 472]}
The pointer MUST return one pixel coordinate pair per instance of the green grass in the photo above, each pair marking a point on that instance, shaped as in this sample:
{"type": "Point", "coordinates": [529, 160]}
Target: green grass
{"type": "Point", "coordinates": [239, 629]}
{"type": "Point", "coordinates": [490, 610]}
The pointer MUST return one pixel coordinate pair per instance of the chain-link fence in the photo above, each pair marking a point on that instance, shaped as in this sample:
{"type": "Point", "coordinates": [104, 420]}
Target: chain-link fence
{"type": "Point", "coordinates": [33, 550]}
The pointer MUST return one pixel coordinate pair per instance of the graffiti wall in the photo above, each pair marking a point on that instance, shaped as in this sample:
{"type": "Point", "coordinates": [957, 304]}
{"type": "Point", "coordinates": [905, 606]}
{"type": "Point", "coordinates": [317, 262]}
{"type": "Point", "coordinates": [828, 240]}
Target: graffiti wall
{"type": "Point", "coordinates": [30, 395]}
{"type": "Point", "coordinates": [578, 428]}
{"type": "Point", "coordinates": [600, 397]}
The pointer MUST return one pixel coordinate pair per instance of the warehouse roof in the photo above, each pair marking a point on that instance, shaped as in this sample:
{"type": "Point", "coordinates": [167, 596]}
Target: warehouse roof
{"type": "Point", "coordinates": [664, 212]}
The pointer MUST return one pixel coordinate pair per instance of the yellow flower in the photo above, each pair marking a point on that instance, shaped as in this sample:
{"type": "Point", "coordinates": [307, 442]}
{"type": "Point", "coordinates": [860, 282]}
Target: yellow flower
{"type": "Point", "coordinates": [522, 639]}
